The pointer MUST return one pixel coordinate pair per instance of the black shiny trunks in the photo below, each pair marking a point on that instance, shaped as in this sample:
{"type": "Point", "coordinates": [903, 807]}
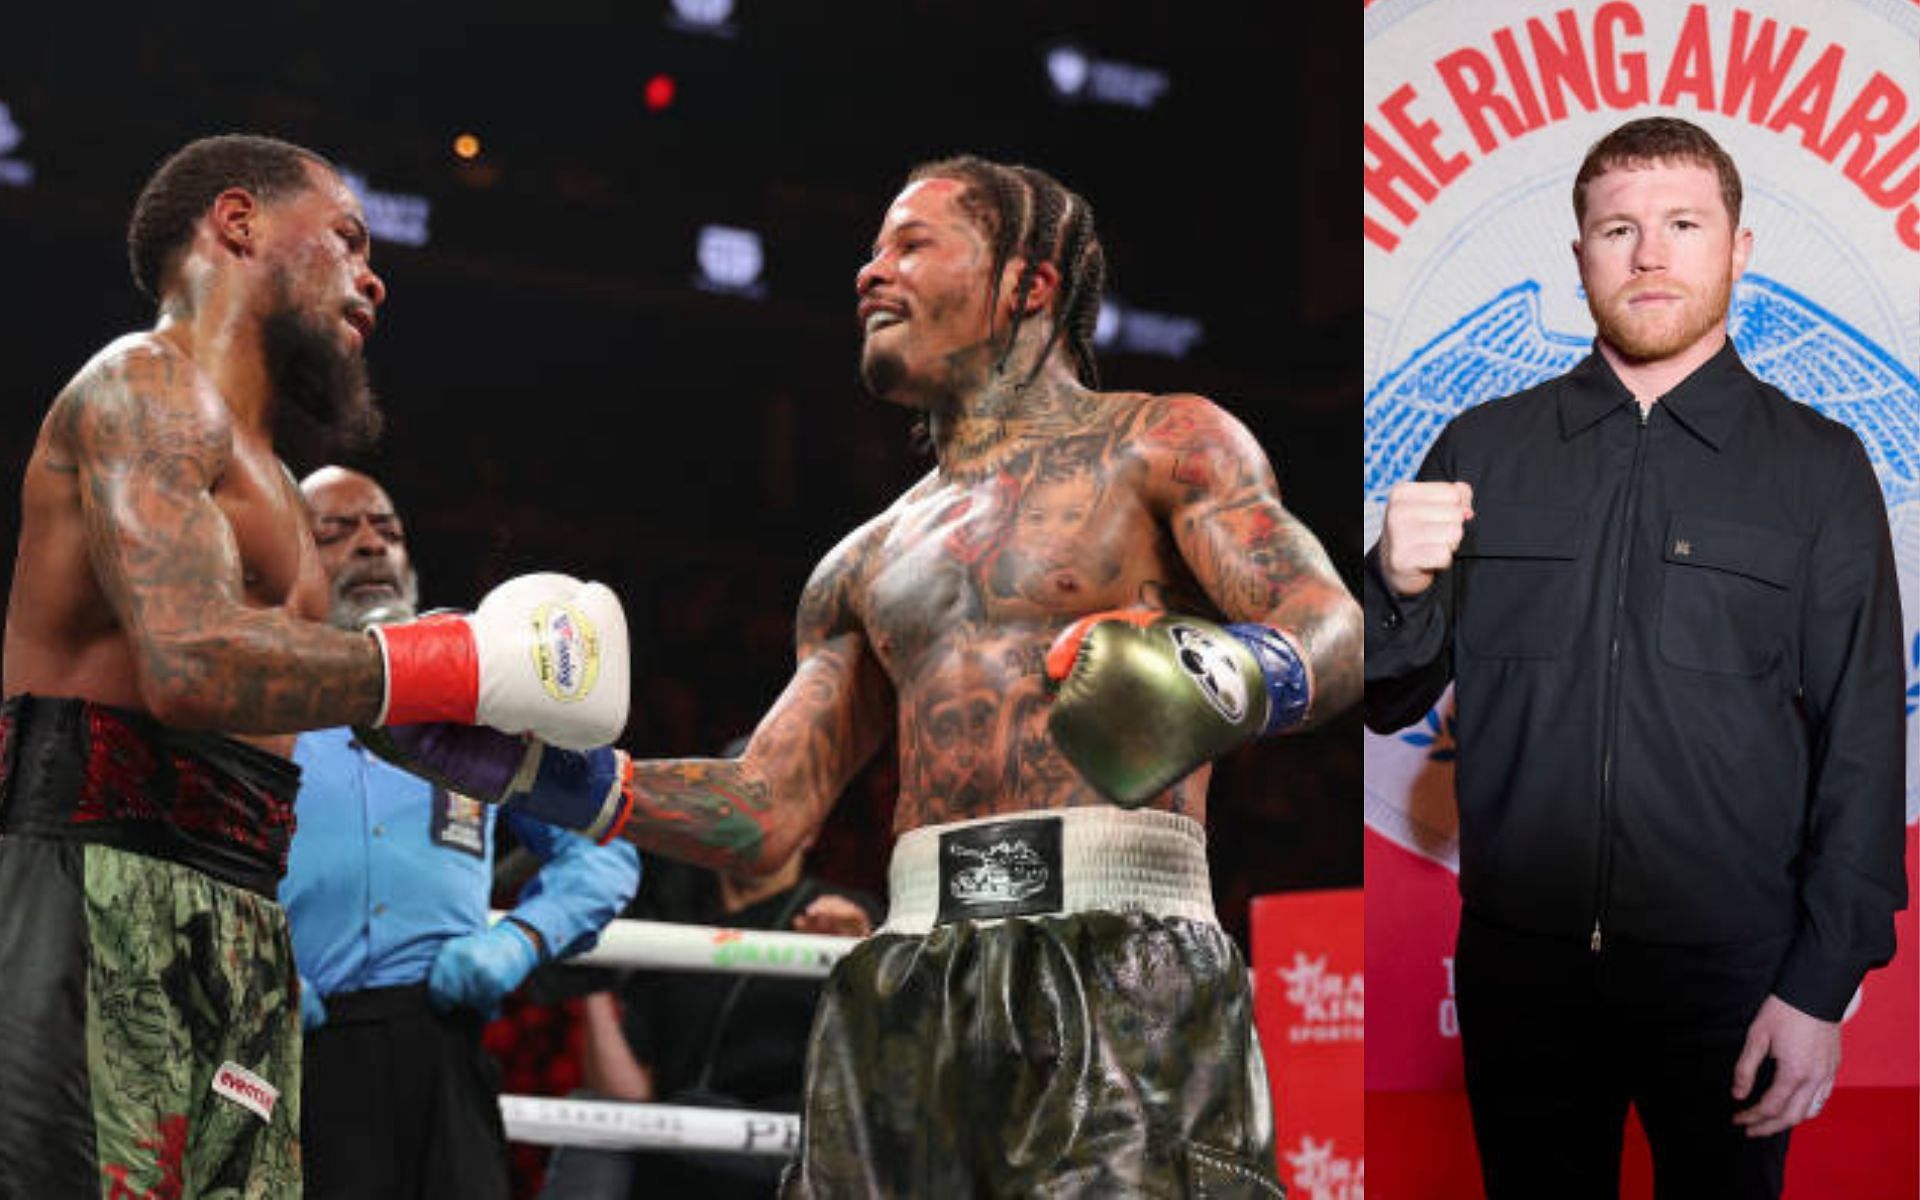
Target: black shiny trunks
{"type": "Point", "coordinates": [73, 770]}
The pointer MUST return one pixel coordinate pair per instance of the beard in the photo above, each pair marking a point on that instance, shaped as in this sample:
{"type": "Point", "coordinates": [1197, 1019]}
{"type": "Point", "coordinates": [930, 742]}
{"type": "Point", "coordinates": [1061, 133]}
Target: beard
{"type": "Point", "coordinates": [1660, 335]}
{"type": "Point", "coordinates": [323, 406]}
{"type": "Point", "coordinates": [352, 612]}
{"type": "Point", "coordinates": [882, 371]}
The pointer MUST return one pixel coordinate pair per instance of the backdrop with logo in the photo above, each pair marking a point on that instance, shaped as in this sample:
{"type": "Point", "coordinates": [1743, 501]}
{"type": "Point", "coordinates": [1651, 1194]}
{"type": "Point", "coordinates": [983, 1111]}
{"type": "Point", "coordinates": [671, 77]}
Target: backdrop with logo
{"type": "Point", "coordinates": [1476, 118]}
{"type": "Point", "coordinates": [1310, 1008]}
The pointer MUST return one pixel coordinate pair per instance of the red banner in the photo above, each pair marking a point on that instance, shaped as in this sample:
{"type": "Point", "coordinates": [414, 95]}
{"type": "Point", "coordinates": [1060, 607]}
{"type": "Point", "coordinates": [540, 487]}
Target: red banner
{"type": "Point", "coordinates": [1310, 1010]}
{"type": "Point", "coordinates": [1863, 1145]}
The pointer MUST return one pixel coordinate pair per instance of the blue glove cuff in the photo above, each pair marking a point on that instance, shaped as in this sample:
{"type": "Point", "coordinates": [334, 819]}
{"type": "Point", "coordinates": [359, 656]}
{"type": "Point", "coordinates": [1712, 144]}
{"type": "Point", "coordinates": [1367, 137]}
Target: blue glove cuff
{"type": "Point", "coordinates": [571, 787]}
{"type": "Point", "coordinates": [1283, 671]}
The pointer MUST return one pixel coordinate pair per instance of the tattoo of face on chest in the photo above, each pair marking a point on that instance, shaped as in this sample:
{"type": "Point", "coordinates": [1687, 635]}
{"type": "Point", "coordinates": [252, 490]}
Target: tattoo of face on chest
{"type": "Point", "coordinates": [1043, 531]}
{"type": "Point", "coordinates": [999, 559]}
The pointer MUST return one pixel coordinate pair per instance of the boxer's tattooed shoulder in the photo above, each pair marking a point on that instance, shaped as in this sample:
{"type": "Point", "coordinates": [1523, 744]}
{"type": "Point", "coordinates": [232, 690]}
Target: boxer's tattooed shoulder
{"type": "Point", "coordinates": [1250, 553]}
{"type": "Point", "coordinates": [1194, 449]}
{"type": "Point", "coordinates": [1240, 544]}
{"type": "Point", "coordinates": [1244, 549]}
{"type": "Point", "coordinates": [149, 454]}
{"type": "Point", "coordinates": [826, 600]}
{"type": "Point", "coordinates": [831, 601]}
{"type": "Point", "coordinates": [150, 444]}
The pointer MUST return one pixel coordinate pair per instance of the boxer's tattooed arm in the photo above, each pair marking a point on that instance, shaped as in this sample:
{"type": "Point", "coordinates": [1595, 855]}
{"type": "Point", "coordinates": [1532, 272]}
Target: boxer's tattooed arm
{"type": "Point", "coordinates": [754, 811]}
{"type": "Point", "coordinates": [150, 446]}
{"type": "Point", "coordinates": [705, 811]}
{"type": "Point", "coordinates": [1251, 556]}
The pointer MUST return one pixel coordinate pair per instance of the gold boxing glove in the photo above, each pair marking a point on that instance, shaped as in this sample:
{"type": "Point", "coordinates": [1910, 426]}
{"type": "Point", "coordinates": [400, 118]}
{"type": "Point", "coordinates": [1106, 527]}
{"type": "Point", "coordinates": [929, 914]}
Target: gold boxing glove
{"type": "Point", "coordinates": [1144, 697]}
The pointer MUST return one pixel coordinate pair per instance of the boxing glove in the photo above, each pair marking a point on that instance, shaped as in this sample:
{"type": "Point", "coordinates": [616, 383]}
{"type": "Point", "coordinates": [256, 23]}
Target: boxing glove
{"type": "Point", "coordinates": [543, 654]}
{"type": "Point", "coordinates": [587, 791]}
{"type": "Point", "coordinates": [476, 970]}
{"type": "Point", "coordinates": [1143, 697]}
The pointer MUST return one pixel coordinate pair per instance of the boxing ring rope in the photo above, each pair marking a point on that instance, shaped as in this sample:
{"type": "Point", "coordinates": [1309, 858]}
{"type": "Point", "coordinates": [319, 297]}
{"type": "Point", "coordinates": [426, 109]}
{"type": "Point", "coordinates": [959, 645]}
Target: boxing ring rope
{"type": "Point", "coordinates": [665, 946]}
{"type": "Point", "coordinates": [659, 945]}
{"type": "Point", "coordinates": [612, 1125]}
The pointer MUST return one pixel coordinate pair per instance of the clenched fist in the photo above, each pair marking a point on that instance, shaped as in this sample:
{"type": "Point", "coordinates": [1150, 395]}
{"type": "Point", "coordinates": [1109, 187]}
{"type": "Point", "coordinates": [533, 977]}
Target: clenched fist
{"type": "Point", "coordinates": [1423, 527]}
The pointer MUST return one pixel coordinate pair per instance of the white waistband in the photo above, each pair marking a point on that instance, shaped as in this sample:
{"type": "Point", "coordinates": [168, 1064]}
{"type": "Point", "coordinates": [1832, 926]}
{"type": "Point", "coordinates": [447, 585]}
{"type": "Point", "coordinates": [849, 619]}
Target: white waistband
{"type": "Point", "coordinates": [1112, 859]}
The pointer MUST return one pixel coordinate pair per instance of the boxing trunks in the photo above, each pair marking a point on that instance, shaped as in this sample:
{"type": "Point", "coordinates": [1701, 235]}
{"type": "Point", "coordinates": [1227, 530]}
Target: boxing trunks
{"type": "Point", "coordinates": [1051, 1009]}
{"type": "Point", "coordinates": [149, 1033]}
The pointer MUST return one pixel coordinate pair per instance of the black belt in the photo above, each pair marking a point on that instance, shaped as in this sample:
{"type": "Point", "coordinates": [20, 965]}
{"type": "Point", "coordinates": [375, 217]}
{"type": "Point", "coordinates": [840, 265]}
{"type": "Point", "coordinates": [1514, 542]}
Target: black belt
{"type": "Point", "coordinates": [378, 1004]}
{"type": "Point", "coordinates": [73, 770]}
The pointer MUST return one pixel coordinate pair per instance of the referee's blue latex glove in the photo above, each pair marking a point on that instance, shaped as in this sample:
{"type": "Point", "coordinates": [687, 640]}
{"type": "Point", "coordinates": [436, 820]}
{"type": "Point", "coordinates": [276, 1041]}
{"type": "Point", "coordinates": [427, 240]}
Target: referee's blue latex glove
{"type": "Point", "coordinates": [313, 1010]}
{"type": "Point", "coordinates": [476, 970]}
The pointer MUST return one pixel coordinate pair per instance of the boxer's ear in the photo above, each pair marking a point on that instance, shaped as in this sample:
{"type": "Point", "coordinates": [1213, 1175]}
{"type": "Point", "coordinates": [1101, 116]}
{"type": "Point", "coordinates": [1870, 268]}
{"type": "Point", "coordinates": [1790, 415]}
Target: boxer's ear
{"type": "Point", "coordinates": [233, 216]}
{"type": "Point", "coordinates": [1041, 289]}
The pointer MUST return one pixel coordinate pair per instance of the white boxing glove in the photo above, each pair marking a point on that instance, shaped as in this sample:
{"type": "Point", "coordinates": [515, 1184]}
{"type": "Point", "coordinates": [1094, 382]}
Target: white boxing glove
{"type": "Point", "coordinates": [543, 654]}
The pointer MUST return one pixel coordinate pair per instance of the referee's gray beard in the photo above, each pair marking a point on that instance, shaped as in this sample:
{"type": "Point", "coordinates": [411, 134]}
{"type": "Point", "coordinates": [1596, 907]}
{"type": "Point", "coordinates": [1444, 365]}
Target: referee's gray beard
{"type": "Point", "coordinates": [358, 612]}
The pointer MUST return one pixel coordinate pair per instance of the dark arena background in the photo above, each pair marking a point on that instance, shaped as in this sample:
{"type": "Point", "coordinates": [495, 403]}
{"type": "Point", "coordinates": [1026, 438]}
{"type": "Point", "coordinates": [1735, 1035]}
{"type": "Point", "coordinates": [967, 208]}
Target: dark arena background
{"type": "Point", "coordinates": [620, 337]}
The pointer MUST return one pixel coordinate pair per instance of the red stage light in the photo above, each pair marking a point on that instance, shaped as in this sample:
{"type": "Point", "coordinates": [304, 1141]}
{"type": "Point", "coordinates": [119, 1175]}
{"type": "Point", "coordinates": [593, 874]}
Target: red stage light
{"type": "Point", "coordinates": [659, 92]}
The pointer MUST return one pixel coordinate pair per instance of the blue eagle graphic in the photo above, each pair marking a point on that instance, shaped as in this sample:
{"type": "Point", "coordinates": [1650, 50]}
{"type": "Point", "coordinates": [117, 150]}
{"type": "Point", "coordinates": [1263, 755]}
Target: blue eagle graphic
{"type": "Point", "coordinates": [1784, 338]}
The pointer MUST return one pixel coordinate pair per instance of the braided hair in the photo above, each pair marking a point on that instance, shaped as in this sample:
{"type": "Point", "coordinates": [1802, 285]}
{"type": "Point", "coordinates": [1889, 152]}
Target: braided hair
{"type": "Point", "coordinates": [1026, 212]}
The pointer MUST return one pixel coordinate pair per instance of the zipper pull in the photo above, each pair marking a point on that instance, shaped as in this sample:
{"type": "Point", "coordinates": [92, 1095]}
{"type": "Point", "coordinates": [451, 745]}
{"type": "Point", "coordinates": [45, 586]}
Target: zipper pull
{"type": "Point", "coordinates": [1593, 943]}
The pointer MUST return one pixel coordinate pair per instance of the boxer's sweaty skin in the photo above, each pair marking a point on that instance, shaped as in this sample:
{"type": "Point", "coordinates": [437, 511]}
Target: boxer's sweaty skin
{"type": "Point", "coordinates": [931, 622]}
{"type": "Point", "coordinates": [1050, 502]}
{"type": "Point", "coordinates": [161, 540]}
{"type": "Point", "coordinates": [165, 564]}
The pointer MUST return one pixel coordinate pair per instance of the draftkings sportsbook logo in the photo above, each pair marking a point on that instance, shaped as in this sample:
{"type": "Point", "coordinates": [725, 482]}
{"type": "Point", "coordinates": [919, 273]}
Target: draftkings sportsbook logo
{"type": "Point", "coordinates": [1329, 1007]}
{"type": "Point", "coordinates": [1320, 1174]}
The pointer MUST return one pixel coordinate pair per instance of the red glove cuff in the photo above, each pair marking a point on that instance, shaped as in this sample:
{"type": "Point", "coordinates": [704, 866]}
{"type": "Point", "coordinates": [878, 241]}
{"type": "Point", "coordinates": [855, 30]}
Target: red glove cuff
{"type": "Point", "coordinates": [1066, 647]}
{"type": "Point", "coordinates": [620, 818]}
{"type": "Point", "coordinates": [433, 670]}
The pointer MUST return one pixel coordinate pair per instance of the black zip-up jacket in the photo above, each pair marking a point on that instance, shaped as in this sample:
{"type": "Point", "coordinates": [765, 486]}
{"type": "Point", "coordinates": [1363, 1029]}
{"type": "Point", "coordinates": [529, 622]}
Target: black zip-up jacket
{"type": "Point", "coordinates": [1676, 645]}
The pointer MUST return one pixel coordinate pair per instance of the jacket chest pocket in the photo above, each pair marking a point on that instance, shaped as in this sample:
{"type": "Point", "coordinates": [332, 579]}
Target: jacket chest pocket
{"type": "Point", "coordinates": [1726, 602]}
{"type": "Point", "coordinates": [1517, 569]}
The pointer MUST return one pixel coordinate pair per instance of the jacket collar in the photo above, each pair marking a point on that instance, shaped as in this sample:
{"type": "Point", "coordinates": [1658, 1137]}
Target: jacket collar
{"type": "Point", "coordinates": [1706, 403]}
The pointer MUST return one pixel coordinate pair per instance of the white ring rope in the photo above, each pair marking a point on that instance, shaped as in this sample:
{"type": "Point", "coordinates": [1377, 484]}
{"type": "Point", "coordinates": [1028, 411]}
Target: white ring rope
{"type": "Point", "coordinates": [673, 947]}
{"type": "Point", "coordinates": [611, 1125]}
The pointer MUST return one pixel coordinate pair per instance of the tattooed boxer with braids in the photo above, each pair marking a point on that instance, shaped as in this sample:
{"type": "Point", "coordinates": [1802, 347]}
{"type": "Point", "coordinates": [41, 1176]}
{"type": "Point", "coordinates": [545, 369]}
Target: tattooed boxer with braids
{"type": "Point", "coordinates": [1088, 598]}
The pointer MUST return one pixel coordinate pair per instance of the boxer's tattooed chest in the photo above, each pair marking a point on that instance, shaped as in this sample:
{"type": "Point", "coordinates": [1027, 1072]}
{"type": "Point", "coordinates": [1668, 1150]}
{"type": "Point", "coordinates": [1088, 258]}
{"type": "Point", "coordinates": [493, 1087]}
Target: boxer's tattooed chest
{"type": "Point", "coordinates": [1048, 533]}
{"type": "Point", "coordinates": [974, 739]}
{"type": "Point", "coordinates": [976, 578]}
{"type": "Point", "coordinates": [269, 526]}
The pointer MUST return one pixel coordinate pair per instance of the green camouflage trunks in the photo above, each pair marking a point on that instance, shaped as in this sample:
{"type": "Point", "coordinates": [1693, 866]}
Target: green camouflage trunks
{"type": "Point", "coordinates": [149, 1034]}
